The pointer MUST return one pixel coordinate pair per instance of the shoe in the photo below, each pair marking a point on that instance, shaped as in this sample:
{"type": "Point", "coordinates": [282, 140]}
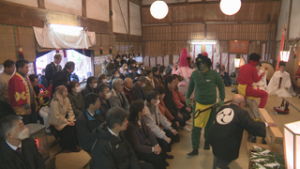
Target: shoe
{"type": "Point", "coordinates": [186, 128]}
{"type": "Point", "coordinates": [206, 145]}
{"type": "Point", "coordinates": [193, 153]}
{"type": "Point", "coordinates": [169, 156]}
{"type": "Point", "coordinates": [167, 164]}
{"type": "Point", "coordinates": [188, 123]}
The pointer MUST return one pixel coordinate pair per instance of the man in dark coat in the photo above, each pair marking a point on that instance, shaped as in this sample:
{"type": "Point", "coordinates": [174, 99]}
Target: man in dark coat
{"type": "Point", "coordinates": [6, 109]}
{"type": "Point", "coordinates": [16, 149]}
{"type": "Point", "coordinates": [225, 136]}
{"type": "Point", "coordinates": [104, 94]}
{"type": "Point", "coordinates": [88, 121]}
{"type": "Point", "coordinates": [63, 77]}
{"type": "Point", "coordinates": [110, 148]}
{"type": "Point", "coordinates": [53, 68]}
{"type": "Point", "coordinates": [130, 95]}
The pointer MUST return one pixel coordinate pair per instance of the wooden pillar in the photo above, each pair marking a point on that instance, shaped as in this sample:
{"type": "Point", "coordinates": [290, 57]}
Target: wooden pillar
{"type": "Point", "coordinates": [83, 8]}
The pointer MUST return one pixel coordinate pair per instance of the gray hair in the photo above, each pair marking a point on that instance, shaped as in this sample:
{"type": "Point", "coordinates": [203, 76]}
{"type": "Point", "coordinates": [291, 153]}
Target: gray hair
{"type": "Point", "coordinates": [7, 124]}
{"type": "Point", "coordinates": [116, 82]}
{"type": "Point", "coordinates": [57, 56]}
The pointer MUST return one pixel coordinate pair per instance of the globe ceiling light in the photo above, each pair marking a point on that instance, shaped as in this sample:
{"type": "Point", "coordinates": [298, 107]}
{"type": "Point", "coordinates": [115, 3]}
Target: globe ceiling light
{"type": "Point", "coordinates": [230, 7]}
{"type": "Point", "coordinates": [159, 9]}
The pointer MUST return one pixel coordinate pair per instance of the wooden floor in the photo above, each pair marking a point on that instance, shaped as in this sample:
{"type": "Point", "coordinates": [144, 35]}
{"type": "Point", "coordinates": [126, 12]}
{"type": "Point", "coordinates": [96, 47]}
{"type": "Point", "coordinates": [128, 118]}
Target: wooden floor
{"type": "Point", "coordinates": [204, 160]}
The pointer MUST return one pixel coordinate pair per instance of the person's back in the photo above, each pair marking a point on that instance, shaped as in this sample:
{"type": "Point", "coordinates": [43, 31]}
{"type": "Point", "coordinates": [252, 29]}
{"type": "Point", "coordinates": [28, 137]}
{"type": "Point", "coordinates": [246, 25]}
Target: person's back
{"type": "Point", "coordinates": [230, 122]}
{"type": "Point", "coordinates": [110, 148]}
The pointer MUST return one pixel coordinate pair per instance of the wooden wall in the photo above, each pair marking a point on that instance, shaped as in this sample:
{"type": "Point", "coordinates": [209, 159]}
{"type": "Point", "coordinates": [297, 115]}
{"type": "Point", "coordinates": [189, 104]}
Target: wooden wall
{"type": "Point", "coordinates": [16, 22]}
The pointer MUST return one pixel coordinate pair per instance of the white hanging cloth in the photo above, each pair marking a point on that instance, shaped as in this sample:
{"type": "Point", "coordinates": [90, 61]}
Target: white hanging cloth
{"type": "Point", "coordinates": [48, 38]}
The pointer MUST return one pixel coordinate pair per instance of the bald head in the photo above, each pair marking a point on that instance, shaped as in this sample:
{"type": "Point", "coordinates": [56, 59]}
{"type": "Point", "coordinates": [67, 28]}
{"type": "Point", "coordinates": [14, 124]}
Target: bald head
{"type": "Point", "coordinates": [128, 83]}
{"type": "Point", "coordinates": [239, 100]}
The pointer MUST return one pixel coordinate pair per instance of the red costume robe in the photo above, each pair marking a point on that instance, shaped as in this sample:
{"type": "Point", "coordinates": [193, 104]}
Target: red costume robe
{"type": "Point", "coordinates": [19, 94]}
{"type": "Point", "coordinates": [247, 75]}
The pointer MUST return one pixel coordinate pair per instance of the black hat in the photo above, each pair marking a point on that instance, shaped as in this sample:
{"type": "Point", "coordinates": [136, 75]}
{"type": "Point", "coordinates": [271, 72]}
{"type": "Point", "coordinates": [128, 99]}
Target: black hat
{"type": "Point", "coordinates": [281, 63]}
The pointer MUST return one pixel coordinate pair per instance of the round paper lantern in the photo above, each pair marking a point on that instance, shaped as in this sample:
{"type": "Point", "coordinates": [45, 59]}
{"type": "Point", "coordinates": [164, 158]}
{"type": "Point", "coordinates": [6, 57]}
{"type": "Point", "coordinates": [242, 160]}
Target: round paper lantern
{"type": "Point", "coordinates": [230, 7]}
{"type": "Point", "coordinates": [159, 9]}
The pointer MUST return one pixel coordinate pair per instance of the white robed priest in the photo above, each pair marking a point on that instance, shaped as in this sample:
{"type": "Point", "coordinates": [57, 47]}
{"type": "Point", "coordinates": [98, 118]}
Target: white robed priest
{"type": "Point", "coordinates": [262, 84]}
{"type": "Point", "coordinates": [280, 84]}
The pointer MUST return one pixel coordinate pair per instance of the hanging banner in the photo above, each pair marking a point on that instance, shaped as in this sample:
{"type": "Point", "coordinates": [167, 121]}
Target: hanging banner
{"type": "Point", "coordinates": [238, 46]}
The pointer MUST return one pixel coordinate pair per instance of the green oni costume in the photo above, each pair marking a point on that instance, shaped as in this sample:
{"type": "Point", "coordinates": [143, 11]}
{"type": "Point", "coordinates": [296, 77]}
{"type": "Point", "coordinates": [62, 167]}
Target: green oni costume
{"type": "Point", "coordinates": [204, 81]}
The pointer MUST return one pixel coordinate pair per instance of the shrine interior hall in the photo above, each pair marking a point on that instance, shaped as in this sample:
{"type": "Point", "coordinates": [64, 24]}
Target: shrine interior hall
{"type": "Point", "coordinates": [227, 32]}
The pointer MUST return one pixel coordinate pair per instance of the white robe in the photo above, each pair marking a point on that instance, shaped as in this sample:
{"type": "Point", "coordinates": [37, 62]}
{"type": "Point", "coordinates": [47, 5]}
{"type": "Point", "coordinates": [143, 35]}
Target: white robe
{"type": "Point", "coordinates": [262, 84]}
{"type": "Point", "coordinates": [273, 89]}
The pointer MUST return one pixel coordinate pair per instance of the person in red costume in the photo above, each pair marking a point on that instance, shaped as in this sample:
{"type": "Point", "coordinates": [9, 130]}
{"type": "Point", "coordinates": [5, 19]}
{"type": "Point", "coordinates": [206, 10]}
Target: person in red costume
{"type": "Point", "coordinates": [247, 75]}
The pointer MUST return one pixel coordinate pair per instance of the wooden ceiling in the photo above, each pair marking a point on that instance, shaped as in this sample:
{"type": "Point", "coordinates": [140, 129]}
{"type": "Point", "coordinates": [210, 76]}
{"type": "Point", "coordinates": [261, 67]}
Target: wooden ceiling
{"type": "Point", "coordinates": [252, 11]}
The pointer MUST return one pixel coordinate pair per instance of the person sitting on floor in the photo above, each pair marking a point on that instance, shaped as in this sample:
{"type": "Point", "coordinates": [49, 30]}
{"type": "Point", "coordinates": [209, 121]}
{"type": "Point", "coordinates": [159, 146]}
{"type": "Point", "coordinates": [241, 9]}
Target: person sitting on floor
{"type": "Point", "coordinates": [170, 83]}
{"type": "Point", "coordinates": [17, 150]}
{"type": "Point", "coordinates": [158, 123]}
{"type": "Point", "coordinates": [110, 149]}
{"type": "Point", "coordinates": [88, 120]}
{"type": "Point", "coordinates": [150, 85]}
{"type": "Point", "coordinates": [91, 85]}
{"type": "Point", "coordinates": [138, 73]}
{"type": "Point", "coordinates": [142, 139]}
{"type": "Point", "coordinates": [225, 76]}
{"type": "Point", "coordinates": [63, 119]}
{"type": "Point", "coordinates": [104, 94]}
{"type": "Point", "coordinates": [102, 79]}
{"type": "Point", "coordinates": [180, 100]}
{"type": "Point", "coordinates": [76, 98]}
{"type": "Point", "coordinates": [138, 88]}
{"type": "Point", "coordinates": [118, 98]}
{"type": "Point", "coordinates": [163, 109]}
{"type": "Point", "coordinates": [130, 73]}
{"type": "Point", "coordinates": [130, 94]}
{"type": "Point", "coordinates": [115, 74]}
{"type": "Point", "coordinates": [280, 83]}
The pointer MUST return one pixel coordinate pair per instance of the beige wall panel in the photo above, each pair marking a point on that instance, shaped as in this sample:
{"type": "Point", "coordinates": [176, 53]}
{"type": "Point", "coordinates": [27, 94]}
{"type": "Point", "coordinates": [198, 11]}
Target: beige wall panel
{"type": "Point", "coordinates": [98, 9]}
{"type": "Point", "coordinates": [282, 19]}
{"type": "Point", "coordinates": [66, 6]}
{"type": "Point", "coordinates": [135, 19]}
{"type": "Point", "coordinates": [295, 24]}
{"type": "Point", "coordinates": [118, 23]}
{"type": "Point", "coordinates": [7, 43]}
{"type": "Point", "coordinates": [33, 3]}
{"type": "Point", "coordinates": [27, 42]}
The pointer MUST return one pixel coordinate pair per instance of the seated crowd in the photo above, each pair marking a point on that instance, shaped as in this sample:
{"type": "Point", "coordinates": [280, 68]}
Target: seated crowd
{"type": "Point", "coordinates": [127, 117]}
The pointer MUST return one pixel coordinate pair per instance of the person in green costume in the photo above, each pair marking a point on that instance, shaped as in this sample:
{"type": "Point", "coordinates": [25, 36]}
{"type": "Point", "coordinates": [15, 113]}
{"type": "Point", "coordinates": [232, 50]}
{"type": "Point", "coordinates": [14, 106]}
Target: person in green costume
{"type": "Point", "coordinates": [204, 80]}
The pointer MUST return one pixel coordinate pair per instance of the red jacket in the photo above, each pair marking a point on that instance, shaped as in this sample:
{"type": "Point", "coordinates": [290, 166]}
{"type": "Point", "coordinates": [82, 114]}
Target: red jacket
{"type": "Point", "coordinates": [248, 75]}
{"type": "Point", "coordinates": [129, 95]}
{"type": "Point", "coordinates": [178, 99]}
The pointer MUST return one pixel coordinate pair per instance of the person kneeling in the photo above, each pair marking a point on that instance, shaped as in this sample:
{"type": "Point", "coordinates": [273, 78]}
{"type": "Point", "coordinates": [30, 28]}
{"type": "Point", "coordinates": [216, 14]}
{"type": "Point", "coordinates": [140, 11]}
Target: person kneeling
{"type": "Point", "coordinates": [110, 149]}
{"type": "Point", "coordinates": [141, 137]}
{"type": "Point", "coordinates": [159, 123]}
{"type": "Point", "coordinates": [226, 134]}
{"type": "Point", "coordinates": [16, 149]}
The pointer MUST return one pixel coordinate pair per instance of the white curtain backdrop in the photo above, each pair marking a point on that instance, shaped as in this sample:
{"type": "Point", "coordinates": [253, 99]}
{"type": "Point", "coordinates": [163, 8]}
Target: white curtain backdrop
{"type": "Point", "coordinates": [216, 60]}
{"type": "Point", "coordinates": [231, 63]}
{"type": "Point", "coordinates": [146, 61]}
{"type": "Point", "coordinates": [209, 50]}
{"type": "Point", "coordinates": [197, 50]}
{"type": "Point", "coordinates": [159, 60]}
{"type": "Point", "coordinates": [152, 61]}
{"type": "Point", "coordinates": [225, 60]}
{"type": "Point", "coordinates": [48, 38]}
{"type": "Point", "coordinates": [166, 60]}
{"type": "Point", "coordinates": [175, 57]}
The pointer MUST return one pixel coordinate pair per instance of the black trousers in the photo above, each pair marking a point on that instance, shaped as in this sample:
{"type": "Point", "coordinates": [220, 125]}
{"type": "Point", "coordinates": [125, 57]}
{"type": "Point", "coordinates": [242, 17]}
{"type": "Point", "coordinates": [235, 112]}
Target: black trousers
{"type": "Point", "coordinates": [156, 160]}
{"type": "Point", "coordinates": [68, 138]}
{"type": "Point", "coordinates": [146, 165]}
{"type": "Point", "coordinates": [222, 164]}
{"type": "Point", "coordinates": [32, 118]}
